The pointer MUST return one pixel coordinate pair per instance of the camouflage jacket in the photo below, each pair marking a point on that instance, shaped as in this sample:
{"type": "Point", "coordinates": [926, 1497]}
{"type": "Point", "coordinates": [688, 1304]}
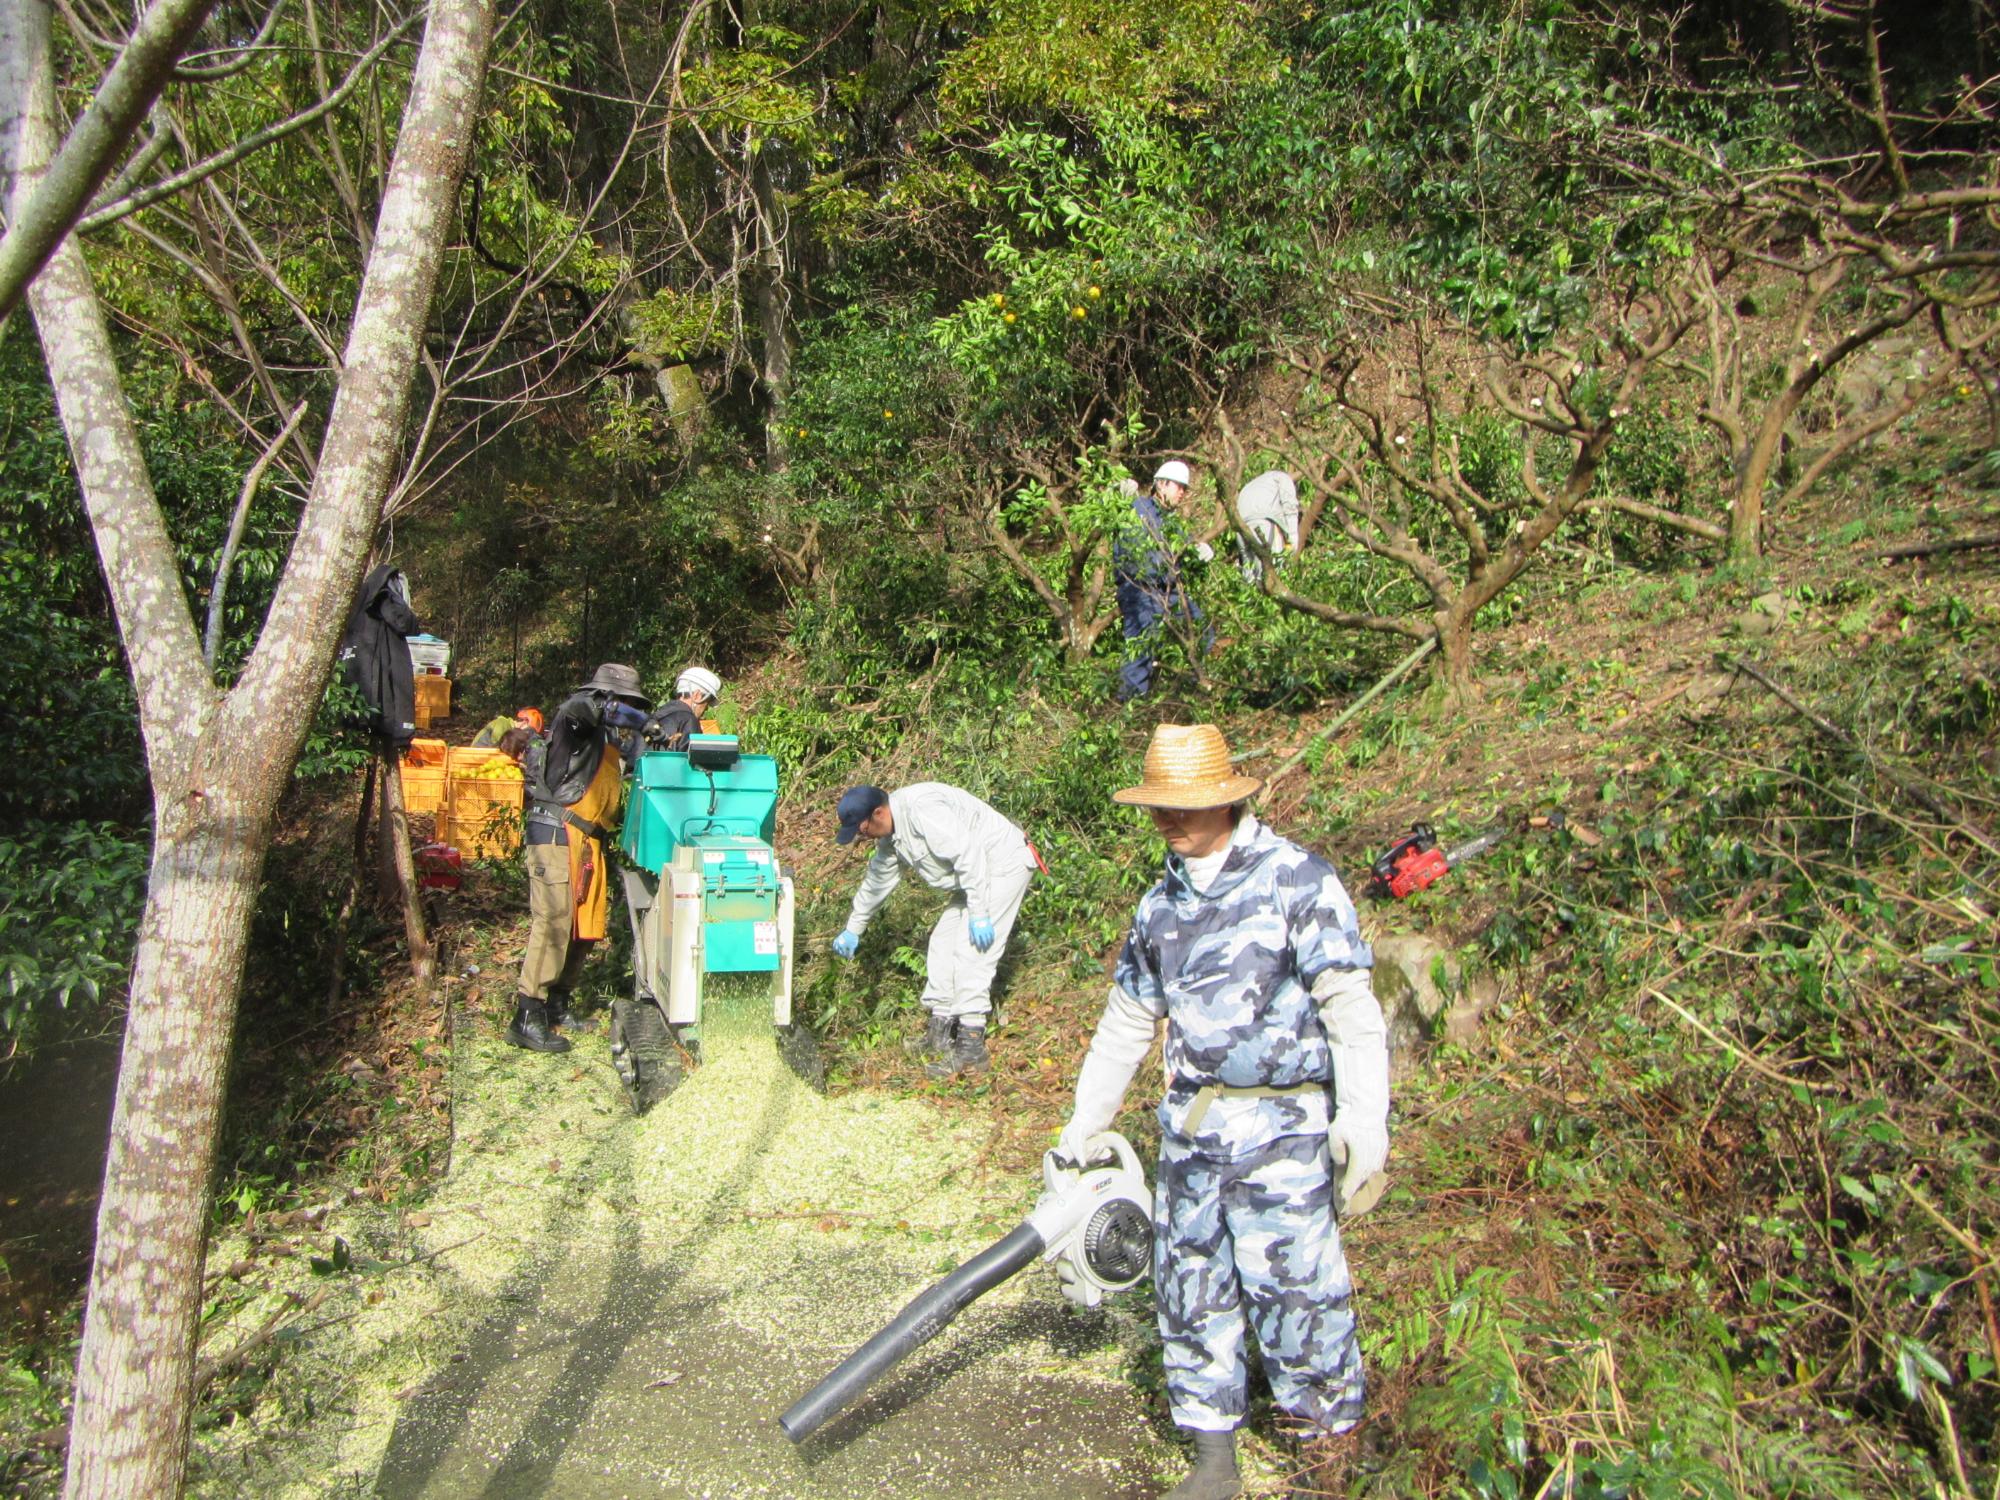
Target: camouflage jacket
{"type": "Point", "coordinates": [1232, 969]}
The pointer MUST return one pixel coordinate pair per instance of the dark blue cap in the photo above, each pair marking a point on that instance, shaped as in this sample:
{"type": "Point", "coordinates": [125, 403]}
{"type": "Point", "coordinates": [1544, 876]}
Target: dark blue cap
{"type": "Point", "coordinates": [856, 803]}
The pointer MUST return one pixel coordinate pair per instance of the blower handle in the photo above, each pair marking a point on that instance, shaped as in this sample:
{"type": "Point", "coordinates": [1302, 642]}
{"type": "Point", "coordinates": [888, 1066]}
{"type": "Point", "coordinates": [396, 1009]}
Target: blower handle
{"type": "Point", "coordinates": [1055, 1178]}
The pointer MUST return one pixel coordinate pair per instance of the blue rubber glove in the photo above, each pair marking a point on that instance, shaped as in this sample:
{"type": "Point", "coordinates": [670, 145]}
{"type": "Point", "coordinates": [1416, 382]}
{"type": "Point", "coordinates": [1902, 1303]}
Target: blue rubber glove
{"type": "Point", "coordinates": [845, 944]}
{"type": "Point", "coordinates": [981, 932]}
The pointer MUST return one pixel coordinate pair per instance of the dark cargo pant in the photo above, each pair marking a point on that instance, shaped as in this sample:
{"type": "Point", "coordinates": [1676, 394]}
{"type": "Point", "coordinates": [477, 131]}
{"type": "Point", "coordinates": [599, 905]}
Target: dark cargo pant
{"type": "Point", "coordinates": [1252, 1243]}
{"type": "Point", "coordinates": [553, 959]}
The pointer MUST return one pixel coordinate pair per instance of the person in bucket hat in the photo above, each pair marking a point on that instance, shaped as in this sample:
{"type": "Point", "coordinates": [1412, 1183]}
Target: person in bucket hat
{"type": "Point", "coordinates": [574, 789]}
{"type": "Point", "coordinates": [1276, 1105]}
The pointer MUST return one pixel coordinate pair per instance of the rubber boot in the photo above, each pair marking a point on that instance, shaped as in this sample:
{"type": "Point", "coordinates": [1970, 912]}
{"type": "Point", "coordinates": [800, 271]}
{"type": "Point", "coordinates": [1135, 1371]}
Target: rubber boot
{"type": "Point", "coordinates": [936, 1040]}
{"type": "Point", "coordinates": [562, 1017]}
{"type": "Point", "coordinates": [1214, 1474]}
{"type": "Point", "coordinates": [531, 1027]}
{"type": "Point", "coordinates": [965, 1055]}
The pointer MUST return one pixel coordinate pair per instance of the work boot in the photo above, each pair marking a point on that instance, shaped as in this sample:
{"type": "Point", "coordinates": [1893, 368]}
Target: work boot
{"type": "Point", "coordinates": [966, 1054]}
{"type": "Point", "coordinates": [936, 1040]}
{"type": "Point", "coordinates": [1214, 1474]}
{"type": "Point", "coordinates": [562, 1017]}
{"type": "Point", "coordinates": [531, 1027]}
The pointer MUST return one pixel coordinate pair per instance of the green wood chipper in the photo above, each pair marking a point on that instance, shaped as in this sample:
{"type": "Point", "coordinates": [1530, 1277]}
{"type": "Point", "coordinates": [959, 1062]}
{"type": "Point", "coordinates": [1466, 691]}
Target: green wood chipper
{"type": "Point", "coordinates": [707, 896]}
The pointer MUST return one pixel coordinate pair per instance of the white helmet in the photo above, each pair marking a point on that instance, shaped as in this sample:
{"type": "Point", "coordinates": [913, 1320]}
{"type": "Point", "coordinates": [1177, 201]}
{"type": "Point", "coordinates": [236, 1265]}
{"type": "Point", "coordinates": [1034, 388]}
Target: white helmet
{"type": "Point", "coordinates": [698, 680]}
{"type": "Point", "coordinates": [1175, 470]}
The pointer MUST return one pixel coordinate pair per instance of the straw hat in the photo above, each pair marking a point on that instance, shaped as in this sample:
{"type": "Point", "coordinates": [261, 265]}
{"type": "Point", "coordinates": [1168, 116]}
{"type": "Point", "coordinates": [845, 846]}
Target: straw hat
{"type": "Point", "coordinates": [1187, 768]}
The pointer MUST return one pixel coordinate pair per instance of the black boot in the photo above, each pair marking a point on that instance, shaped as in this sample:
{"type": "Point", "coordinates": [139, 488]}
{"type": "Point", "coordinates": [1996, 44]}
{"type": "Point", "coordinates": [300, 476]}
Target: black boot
{"type": "Point", "coordinates": [562, 1017]}
{"type": "Point", "coordinates": [936, 1040]}
{"type": "Point", "coordinates": [531, 1027]}
{"type": "Point", "coordinates": [965, 1055]}
{"type": "Point", "coordinates": [1214, 1474]}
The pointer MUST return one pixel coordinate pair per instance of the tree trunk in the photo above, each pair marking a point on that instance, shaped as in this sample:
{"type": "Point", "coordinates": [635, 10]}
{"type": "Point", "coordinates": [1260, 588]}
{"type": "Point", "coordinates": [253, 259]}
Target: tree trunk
{"type": "Point", "coordinates": [395, 836]}
{"type": "Point", "coordinates": [774, 315]}
{"type": "Point", "coordinates": [1454, 655]}
{"type": "Point", "coordinates": [1746, 510]}
{"type": "Point", "coordinates": [218, 763]}
{"type": "Point", "coordinates": [136, 1371]}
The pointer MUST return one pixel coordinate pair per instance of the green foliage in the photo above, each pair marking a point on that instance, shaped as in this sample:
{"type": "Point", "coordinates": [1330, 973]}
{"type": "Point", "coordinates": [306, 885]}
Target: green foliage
{"type": "Point", "coordinates": [70, 896]}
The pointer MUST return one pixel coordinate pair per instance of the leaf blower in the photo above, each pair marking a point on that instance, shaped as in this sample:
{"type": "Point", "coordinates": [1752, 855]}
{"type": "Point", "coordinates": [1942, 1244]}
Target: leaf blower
{"type": "Point", "coordinates": [1094, 1222]}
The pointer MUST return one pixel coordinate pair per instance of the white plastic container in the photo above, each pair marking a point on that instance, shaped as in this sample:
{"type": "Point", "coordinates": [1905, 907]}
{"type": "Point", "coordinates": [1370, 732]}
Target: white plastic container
{"type": "Point", "coordinates": [430, 656]}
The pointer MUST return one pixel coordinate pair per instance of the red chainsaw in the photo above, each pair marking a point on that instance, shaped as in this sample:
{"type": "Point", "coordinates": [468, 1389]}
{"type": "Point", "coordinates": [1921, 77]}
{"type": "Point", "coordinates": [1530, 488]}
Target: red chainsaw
{"type": "Point", "coordinates": [1415, 861]}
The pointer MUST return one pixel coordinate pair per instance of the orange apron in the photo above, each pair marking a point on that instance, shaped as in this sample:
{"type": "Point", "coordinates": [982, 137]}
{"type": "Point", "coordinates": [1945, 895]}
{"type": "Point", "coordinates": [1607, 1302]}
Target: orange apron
{"type": "Point", "coordinates": [589, 870]}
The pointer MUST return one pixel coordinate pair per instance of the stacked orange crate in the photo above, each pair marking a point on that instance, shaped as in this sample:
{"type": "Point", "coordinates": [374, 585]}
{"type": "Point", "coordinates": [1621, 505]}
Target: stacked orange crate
{"type": "Point", "coordinates": [424, 776]}
{"type": "Point", "coordinates": [433, 699]}
{"type": "Point", "coordinates": [485, 793]}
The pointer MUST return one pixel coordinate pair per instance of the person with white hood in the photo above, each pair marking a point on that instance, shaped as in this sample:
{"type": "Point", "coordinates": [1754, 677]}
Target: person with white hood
{"type": "Point", "coordinates": [953, 842]}
{"type": "Point", "coordinates": [1276, 1108]}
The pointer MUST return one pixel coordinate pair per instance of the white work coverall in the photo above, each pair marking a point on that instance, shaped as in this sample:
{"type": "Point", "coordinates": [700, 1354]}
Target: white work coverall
{"type": "Point", "coordinates": [1269, 506]}
{"type": "Point", "coordinates": [955, 843]}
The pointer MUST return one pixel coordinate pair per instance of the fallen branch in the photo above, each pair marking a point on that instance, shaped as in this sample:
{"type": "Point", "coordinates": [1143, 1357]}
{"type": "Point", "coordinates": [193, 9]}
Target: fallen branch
{"type": "Point", "coordinates": [1908, 784]}
{"type": "Point", "coordinates": [209, 1369]}
{"type": "Point", "coordinates": [1748, 1059]}
{"type": "Point", "coordinates": [1932, 549]}
{"type": "Point", "coordinates": [1396, 674]}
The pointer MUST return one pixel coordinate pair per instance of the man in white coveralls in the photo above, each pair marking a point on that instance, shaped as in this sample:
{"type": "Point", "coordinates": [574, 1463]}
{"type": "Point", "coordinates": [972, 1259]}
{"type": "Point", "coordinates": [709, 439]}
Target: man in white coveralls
{"type": "Point", "coordinates": [955, 843]}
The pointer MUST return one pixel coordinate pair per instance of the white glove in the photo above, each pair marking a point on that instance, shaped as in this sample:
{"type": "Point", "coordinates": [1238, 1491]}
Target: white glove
{"type": "Point", "coordinates": [1123, 1038]}
{"type": "Point", "coordinates": [1354, 1028]}
{"type": "Point", "coordinates": [1205, 552]}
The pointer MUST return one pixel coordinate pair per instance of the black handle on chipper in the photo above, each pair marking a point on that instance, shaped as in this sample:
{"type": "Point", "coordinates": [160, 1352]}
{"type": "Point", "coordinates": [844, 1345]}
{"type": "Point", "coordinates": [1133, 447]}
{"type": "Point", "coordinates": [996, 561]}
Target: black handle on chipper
{"type": "Point", "coordinates": [916, 1325]}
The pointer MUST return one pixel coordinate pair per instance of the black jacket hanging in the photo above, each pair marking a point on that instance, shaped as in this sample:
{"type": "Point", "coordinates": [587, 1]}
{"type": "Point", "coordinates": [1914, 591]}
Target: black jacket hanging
{"type": "Point", "coordinates": [375, 654]}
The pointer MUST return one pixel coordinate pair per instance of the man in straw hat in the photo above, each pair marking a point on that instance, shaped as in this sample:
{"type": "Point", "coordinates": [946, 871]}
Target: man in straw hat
{"type": "Point", "coordinates": [1278, 1071]}
{"type": "Point", "coordinates": [573, 796]}
{"type": "Point", "coordinates": [953, 842]}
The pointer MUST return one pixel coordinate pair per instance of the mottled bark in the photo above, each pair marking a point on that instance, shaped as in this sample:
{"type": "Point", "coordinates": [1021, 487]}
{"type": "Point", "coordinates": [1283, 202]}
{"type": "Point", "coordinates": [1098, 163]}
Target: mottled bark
{"type": "Point", "coordinates": [129, 88]}
{"type": "Point", "coordinates": [218, 763]}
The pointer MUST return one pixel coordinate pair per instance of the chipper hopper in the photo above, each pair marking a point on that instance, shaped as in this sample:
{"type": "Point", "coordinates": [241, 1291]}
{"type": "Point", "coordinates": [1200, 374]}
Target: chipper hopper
{"type": "Point", "coordinates": [706, 895]}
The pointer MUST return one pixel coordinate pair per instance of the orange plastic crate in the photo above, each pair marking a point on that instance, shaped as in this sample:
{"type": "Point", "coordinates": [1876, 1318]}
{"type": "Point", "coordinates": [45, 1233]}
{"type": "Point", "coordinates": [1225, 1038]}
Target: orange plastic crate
{"type": "Point", "coordinates": [433, 700]}
{"type": "Point", "coordinates": [423, 785]}
{"type": "Point", "coordinates": [483, 819]}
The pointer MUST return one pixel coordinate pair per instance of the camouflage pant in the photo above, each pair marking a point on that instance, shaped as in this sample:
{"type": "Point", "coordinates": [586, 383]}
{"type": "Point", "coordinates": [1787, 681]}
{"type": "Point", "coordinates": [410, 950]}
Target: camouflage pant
{"type": "Point", "coordinates": [1252, 1242]}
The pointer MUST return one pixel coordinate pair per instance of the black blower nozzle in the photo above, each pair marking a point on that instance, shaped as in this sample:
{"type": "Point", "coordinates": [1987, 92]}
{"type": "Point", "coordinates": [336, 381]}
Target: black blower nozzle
{"type": "Point", "coordinates": [916, 1325]}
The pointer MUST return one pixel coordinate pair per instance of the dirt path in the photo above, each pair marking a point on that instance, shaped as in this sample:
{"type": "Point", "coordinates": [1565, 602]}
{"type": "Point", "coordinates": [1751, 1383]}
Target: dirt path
{"type": "Point", "coordinates": [596, 1306]}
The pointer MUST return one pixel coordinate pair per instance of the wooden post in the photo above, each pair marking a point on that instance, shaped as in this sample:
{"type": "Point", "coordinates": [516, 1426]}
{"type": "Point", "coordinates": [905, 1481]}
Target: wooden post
{"type": "Point", "coordinates": [338, 967]}
{"type": "Point", "coordinates": [395, 834]}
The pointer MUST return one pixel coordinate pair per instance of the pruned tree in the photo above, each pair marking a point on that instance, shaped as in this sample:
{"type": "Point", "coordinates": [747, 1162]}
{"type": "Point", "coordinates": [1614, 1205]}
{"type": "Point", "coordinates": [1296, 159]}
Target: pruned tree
{"type": "Point", "coordinates": [1844, 249]}
{"type": "Point", "coordinates": [218, 759]}
{"type": "Point", "coordinates": [1457, 473]}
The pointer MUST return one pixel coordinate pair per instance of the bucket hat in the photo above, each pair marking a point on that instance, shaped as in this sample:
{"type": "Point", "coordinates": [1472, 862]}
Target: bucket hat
{"type": "Point", "coordinates": [1187, 768]}
{"type": "Point", "coordinates": [621, 681]}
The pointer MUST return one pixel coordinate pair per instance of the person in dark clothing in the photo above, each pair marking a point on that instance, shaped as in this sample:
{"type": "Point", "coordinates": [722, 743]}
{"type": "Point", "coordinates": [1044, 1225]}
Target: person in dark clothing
{"type": "Point", "coordinates": [1145, 557]}
{"type": "Point", "coordinates": [574, 787]}
{"type": "Point", "coordinates": [375, 654]}
{"type": "Point", "coordinates": [695, 692]}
